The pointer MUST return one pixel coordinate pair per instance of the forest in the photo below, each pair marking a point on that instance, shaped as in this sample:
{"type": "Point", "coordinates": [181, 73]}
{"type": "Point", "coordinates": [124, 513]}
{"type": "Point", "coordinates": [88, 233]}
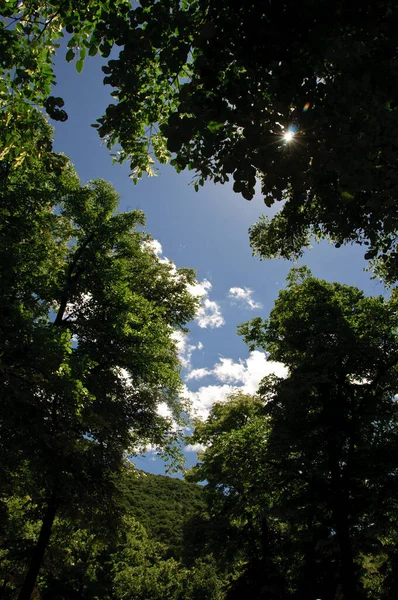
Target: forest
{"type": "Point", "coordinates": [293, 492]}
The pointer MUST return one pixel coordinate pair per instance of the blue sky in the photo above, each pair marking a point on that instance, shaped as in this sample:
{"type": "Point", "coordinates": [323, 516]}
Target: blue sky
{"type": "Point", "coordinates": [205, 230]}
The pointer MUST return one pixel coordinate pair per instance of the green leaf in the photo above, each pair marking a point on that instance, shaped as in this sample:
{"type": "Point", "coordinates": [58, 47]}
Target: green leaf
{"type": "Point", "coordinates": [79, 65]}
{"type": "Point", "coordinates": [347, 197]}
{"type": "Point", "coordinates": [70, 55]}
{"type": "Point", "coordinates": [214, 126]}
{"type": "Point", "coordinates": [105, 49]}
{"type": "Point", "coordinates": [370, 254]}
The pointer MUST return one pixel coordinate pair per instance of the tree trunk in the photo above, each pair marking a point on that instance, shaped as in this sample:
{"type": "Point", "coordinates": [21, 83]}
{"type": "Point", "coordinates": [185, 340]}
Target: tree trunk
{"type": "Point", "coordinates": [309, 581]}
{"type": "Point", "coordinates": [347, 570]}
{"type": "Point", "coordinates": [39, 551]}
{"type": "Point", "coordinates": [340, 511]}
{"type": "Point", "coordinates": [272, 586]}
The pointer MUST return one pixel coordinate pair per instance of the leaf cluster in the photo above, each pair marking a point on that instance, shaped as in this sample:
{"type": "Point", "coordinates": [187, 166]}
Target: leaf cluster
{"type": "Point", "coordinates": [87, 351]}
{"type": "Point", "coordinates": [217, 85]}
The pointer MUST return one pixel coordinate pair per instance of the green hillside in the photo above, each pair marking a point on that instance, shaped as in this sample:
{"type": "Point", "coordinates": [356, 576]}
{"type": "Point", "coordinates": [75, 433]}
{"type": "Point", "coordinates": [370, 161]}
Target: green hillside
{"type": "Point", "coordinates": [163, 505]}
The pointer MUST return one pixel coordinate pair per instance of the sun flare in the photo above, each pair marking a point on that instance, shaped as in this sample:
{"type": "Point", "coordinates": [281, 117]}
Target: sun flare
{"type": "Point", "coordinates": [288, 136]}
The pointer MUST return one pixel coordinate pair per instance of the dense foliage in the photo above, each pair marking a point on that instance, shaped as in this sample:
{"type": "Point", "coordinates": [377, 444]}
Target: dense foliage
{"type": "Point", "coordinates": [87, 348]}
{"type": "Point", "coordinates": [306, 472]}
{"type": "Point", "coordinates": [118, 557]}
{"type": "Point", "coordinates": [164, 506]}
{"type": "Point", "coordinates": [300, 479]}
{"type": "Point", "coordinates": [223, 82]}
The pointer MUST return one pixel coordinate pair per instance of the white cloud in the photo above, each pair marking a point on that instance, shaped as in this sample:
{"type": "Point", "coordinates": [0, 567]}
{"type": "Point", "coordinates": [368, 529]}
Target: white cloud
{"type": "Point", "coordinates": [203, 399]}
{"type": "Point", "coordinates": [195, 448]}
{"type": "Point", "coordinates": [258, 367]}
{"type": "Point", "coordinates": [209, 315]}
{"type": "Point", "coordinates": [201, 288]}
{"type": "Point", "coordinates": [244, 375]}
{"type": "Point", "coordinates": [198, 374]}
{"type": "Point", "coordinates": [143, 449]}
{"type": "Point", "coordinates": [243, 296]}
{"type": "Point", "coordinates": [228, 371]}
{"type": "Point", "coordinates": [184, 348]}
{"type": "Point", "coordinates": [164, 411]}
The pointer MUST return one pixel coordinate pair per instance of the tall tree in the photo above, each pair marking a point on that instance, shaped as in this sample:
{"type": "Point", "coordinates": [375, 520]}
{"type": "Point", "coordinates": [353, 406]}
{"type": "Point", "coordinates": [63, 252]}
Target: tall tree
{"type": "Point", "coordinates": [334, 418]}
{"type": "Point", "coordinates": [297, 95]}
{"type": "Point", "coordinates": [87, 352]}
{"type": "Point", "coordinates": [306, 471]}
{"type": "Point", "coordinates": [244, 534]}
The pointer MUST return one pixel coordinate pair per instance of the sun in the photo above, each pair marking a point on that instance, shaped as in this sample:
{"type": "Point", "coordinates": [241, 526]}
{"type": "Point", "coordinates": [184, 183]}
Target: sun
{"type": "Point", "coordinates": [288, 136]}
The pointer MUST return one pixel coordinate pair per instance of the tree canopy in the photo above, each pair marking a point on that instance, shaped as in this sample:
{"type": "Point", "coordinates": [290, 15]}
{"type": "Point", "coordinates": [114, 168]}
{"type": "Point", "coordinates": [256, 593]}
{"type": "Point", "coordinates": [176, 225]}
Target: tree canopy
{"type": "Point", "coordinates": [223, 82]}
{"type": "Point", "coordinates": [306, 471]}
{"type": "Point", "coordinates": [239, 490]}
{"type": "Point", "coordinates": [87, 348]}
{"type": "Point", "coordinates": [297, 99]}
